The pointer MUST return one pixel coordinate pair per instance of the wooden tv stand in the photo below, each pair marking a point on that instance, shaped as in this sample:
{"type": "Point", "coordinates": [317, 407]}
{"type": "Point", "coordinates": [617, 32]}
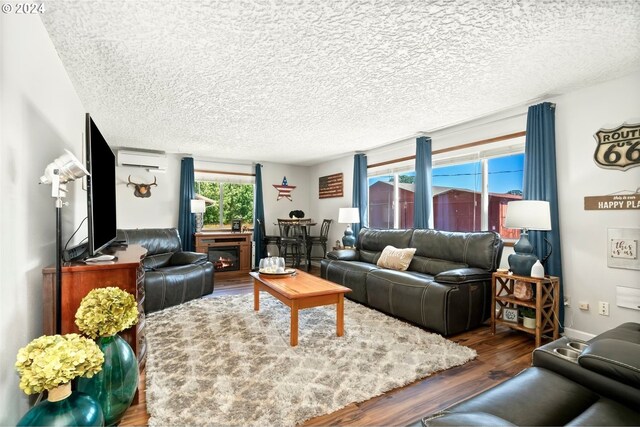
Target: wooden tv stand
{"type": "Point", "coordinates": [78, 278]}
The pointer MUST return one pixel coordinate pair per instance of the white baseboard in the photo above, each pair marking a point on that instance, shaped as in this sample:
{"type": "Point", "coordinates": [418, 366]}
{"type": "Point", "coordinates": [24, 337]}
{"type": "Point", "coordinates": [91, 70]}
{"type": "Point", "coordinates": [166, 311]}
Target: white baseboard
{"type": "Point", "coordinates": [574, 333]}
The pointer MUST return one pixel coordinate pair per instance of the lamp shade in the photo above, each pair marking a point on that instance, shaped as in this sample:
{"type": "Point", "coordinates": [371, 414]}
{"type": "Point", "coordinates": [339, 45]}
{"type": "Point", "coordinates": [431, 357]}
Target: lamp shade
{"type": "Point", "coordinates": [528, 214]}
{"type": "Point", "coordinates": [349, 216]}
{"type": "Point", "coordinates": [197, 206]}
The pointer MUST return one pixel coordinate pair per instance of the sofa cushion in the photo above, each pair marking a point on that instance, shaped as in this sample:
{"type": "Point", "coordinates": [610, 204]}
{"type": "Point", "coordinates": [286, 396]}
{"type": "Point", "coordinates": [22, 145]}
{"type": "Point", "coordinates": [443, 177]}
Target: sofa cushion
{"type": "Point", "coordinates": [369, 256]}
{"type": "Point", "coordinates": [351, 274]}
{"type": "Point", "coordinates": [615, 359]}
{"type": "Point", "coordinates": [433, 266]}
{"type": "Point", "coordinates": [374, 240]}
{"type": "Point", "coordinates": [396, 259]}
{"type": "Point", "coordinates": [478, 249]}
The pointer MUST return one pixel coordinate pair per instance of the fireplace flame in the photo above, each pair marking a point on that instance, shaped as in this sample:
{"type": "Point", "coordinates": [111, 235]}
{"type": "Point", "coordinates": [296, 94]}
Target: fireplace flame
{"type": "Point", "coordinates": [222, 263]}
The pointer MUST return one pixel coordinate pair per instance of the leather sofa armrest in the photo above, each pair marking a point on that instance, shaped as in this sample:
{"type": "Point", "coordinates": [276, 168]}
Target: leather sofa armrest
{"type": "Point", "coordinates": [151, 262]}
{"type": "Point", "coordinates": [613, 358]}
{"type": "Point", "coordinates": [344, 255]}
{"type": "Point", "coordinates": [186, 258]}
{"type": "Point", "coordinates": [463, 275]}
{"type": "Point", "coordinates": [464, 419]}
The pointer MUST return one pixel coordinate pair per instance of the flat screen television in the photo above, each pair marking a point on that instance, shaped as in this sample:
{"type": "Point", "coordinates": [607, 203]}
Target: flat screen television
{"type": "Point", "coordinates": [101, 189]}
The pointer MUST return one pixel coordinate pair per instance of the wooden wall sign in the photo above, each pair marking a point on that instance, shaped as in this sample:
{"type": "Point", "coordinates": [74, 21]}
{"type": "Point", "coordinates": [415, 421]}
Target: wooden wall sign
{"type": "Point", "coordinates": [612, 203]}
{"type": "Point", "coordinates": [618, 148]}
{"type": "Point", "coordinates": [330, 186]}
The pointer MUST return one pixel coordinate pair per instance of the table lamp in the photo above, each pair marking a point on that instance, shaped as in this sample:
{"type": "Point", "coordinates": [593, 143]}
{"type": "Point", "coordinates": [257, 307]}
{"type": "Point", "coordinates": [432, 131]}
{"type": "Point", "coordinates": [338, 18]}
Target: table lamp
{"type": "Point", "coordinates": [526, 215]}
{"type": "Point", "coordinates": [349, 216]}
{"type": "Point", "coordinates": [198, 207]}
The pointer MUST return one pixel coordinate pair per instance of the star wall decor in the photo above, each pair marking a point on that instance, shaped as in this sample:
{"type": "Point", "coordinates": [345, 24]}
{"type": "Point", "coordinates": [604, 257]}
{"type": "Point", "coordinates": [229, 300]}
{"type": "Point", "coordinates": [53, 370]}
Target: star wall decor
{"type": "Point", "coordinates": [284, 190]}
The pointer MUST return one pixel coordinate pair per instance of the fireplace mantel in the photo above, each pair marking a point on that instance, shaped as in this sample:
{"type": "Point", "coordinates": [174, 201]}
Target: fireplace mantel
{"type": "Point", "coordinates": [212, 239]}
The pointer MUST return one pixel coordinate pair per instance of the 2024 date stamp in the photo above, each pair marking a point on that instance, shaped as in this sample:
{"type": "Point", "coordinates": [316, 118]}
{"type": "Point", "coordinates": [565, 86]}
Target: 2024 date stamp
{"type": "Point", "coordinates": [22, 8]}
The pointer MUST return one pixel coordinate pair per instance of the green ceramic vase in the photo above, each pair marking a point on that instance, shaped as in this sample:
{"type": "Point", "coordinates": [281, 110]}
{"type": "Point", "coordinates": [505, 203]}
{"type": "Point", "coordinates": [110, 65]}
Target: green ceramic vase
{"type": "Point", "coordinates": [78, 409]}
{"type": "Point", "coordinates": [114, 386]}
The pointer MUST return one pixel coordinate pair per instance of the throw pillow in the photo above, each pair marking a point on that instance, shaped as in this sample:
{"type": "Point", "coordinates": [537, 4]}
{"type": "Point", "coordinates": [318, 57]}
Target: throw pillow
{"type": "Point", "coordinates": [396, 259]}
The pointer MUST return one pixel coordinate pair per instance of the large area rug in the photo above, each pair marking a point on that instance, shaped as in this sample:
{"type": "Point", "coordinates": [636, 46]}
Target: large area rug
{"type": "Point", "coordinates": [215, 361]}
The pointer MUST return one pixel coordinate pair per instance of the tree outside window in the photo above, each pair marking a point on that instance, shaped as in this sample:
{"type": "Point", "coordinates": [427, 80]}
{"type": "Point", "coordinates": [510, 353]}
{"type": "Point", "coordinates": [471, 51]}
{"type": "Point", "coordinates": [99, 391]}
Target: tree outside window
{"type": "Point", "coordinates": [226, 202]}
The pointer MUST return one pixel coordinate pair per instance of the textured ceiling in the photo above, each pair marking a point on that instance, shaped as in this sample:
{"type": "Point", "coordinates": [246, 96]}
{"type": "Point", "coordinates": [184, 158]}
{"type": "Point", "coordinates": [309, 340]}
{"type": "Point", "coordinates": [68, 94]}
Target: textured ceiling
{"type": "Point", "coordinates": [300, 81]}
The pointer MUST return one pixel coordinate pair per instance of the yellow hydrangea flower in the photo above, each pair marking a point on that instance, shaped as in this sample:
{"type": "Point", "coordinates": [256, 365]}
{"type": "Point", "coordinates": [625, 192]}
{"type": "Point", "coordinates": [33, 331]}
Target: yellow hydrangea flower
{"type": "Point", "coordinates": [106, 311]}
{"type": "Point", "coordinates": [52, 360]}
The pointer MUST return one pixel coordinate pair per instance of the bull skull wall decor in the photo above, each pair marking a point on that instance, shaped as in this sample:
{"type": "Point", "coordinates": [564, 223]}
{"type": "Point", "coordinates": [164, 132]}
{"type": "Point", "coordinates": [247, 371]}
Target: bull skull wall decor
{"type": "Point", "coordinates": [142, 190]}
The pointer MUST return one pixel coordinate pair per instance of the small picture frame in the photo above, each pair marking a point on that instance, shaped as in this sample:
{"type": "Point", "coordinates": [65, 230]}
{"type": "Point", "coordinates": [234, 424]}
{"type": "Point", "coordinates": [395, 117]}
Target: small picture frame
{"type": "Point", "coordinates": [510, 315]}
{"type": "Point", "coordinates": [236, 225]}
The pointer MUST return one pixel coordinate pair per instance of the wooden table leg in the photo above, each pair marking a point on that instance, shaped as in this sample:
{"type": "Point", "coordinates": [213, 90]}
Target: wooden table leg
{"type": "Point", "coordinates": [340, 316]}
{"type": "Point", "coordinates": [294, 323]}
{"type": "Point", "coordinates": [256, 295]}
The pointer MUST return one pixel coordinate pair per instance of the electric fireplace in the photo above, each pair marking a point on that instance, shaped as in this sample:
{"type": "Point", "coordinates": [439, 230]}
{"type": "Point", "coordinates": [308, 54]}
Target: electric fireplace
{"type": "Point", "coordinates": [225, 258]}
{"type": "Point", "coordinates": [230, 253]}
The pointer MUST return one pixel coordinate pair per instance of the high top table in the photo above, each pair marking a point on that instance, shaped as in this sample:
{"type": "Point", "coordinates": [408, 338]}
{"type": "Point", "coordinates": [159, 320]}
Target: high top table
{"type": "Point", "coordinates": [298, 292]}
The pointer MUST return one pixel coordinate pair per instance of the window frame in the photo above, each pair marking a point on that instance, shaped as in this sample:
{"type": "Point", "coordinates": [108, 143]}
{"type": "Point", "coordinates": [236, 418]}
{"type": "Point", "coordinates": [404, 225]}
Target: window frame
{"type": "Point", "coordinates": [221, 226]}
{"type": "Point", "coordinates": [449, 158]}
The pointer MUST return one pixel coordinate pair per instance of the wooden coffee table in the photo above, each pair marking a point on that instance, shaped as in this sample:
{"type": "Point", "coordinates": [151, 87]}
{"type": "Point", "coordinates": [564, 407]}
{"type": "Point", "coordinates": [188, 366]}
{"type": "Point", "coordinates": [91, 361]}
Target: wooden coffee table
{"type": "Point", "coordinates": [301, 291]}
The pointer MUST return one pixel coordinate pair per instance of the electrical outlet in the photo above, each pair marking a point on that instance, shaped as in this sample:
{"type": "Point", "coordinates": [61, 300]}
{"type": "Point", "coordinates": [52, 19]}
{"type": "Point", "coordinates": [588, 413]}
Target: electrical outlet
{"type": "Point", "coordinates": [567, 301]}
{"type": "Point", "coordinates": [603, 308]}
{"type": "Point", "coordinates": [584, 305]}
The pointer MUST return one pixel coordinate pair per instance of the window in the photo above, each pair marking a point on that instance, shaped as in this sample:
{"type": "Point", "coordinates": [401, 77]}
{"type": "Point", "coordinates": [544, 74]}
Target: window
{"type": "Point", "coordinates": [391, 204]}
{"type": "Point", "coordinates": [459, 202]}
{"type": "Point", "coordinates": [226, 201]}
{"type": "Point", "coordinates": [467, 196]}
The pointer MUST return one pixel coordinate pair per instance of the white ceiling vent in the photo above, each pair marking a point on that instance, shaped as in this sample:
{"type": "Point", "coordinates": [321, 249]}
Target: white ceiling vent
{"type": "Point", "coordinates": [142, 159]}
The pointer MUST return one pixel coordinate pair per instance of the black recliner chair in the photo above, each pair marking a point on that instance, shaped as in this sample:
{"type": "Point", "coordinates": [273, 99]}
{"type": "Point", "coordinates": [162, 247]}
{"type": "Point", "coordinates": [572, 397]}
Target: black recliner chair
{"type": "Point", "coordinates": [593, 383]}
{"type": "Point", "coordinates": [172, 276]}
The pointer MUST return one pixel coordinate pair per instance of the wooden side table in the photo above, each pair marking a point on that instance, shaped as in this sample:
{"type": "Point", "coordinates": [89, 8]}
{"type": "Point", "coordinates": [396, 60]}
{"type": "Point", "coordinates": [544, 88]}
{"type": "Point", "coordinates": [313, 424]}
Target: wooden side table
{"type": "Point", "coordinates": [546, 303]}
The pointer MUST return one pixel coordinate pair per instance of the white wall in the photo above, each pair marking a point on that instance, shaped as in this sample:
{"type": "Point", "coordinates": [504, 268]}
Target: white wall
{"type": "Point", "coordinates": [41, 116]}
{"type": "Point", "coordinates": [579, 115]}
{"type": "Point", "coordinates": [297, 176]}
{"type": "Point", "coordinates": [160, 210]}
{"type": "Point", "coordinates": [328, 208]}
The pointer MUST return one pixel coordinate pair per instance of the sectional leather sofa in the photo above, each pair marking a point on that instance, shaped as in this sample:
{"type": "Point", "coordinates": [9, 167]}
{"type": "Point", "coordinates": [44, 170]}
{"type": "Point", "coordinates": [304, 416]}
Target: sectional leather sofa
{"type": "Point", "coordinates": [172, 276]}
{"type": "Point", "coordinates": [597, 386]}
{"type": "Point", "coordinates": [446, 288]}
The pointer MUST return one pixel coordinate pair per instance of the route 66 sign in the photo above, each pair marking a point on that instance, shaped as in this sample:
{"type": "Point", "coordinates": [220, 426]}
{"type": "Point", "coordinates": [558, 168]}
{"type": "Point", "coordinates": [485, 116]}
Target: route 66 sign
{"type": "Point", "coordinates": [618, 148]}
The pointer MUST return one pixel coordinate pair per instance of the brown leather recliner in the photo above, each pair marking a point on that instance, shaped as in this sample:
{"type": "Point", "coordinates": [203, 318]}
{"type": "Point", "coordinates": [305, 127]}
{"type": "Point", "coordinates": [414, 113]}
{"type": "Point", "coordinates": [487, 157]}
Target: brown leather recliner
{"type": "Point", "coordinates": [172, 276]}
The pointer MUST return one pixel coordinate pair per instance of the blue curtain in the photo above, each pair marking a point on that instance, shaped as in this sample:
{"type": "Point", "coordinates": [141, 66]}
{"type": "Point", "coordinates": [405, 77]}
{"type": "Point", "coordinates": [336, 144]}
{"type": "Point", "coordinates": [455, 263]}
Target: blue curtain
{"type": "Point", "coordinates": [186, 220]}
{"type": "Point", "coordinates": [540, 183]}
{"type": "Point", "coordinates": [423, 203]}
{"type": "Point", "coordinates": [360, 192]}
{"type": "Point", "coordinates": [258, 214]}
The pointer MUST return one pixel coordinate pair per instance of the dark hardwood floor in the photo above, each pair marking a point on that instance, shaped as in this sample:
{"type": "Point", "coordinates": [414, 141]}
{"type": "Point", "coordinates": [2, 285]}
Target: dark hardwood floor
{"type": "Point", "coordinates": [499, 357]}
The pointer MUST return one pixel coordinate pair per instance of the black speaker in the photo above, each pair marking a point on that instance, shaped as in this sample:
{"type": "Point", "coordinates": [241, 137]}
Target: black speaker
{"type": "Point", "coordinates": [75, 253]}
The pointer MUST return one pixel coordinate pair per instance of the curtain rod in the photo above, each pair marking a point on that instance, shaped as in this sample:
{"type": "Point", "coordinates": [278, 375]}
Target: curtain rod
{"type": "Point", "coordinates": [454, 148]}
{"type": "Point", "coordinates": [224, 173]}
